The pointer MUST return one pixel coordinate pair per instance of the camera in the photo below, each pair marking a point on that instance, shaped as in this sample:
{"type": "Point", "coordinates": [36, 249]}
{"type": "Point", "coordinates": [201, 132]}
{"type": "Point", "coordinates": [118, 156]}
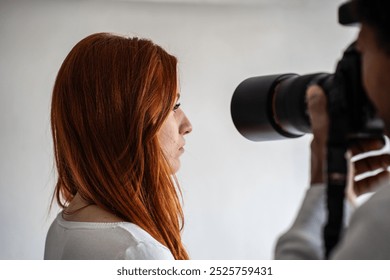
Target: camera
{"type": "Point", "coordinates": [274, 107]}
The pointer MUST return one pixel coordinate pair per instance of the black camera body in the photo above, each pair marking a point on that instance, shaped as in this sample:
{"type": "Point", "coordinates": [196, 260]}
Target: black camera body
{"type": "Point", "coordinates": [274, 107]}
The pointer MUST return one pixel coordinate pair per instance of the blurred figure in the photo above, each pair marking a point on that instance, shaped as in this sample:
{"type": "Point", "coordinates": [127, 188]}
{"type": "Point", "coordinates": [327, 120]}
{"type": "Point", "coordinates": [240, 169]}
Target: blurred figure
{"type": "Point", "coordinates": [369, 228]}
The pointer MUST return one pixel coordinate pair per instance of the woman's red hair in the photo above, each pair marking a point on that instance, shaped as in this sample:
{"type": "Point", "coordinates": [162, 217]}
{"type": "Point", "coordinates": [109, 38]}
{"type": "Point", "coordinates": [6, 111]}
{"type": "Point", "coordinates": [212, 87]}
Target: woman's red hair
{"type": "Point", "coordinates": [111, 96]}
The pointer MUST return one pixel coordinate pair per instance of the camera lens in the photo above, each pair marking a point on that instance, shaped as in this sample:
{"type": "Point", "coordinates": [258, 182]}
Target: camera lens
{"type": "Point", "coordinates": [273, 107]}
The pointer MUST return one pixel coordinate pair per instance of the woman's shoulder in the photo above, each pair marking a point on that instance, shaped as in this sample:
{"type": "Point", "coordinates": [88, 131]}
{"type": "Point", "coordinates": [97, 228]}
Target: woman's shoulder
{"type": "Point", "coordinates": [144, 245]}
{"type": "Point", "coordinates": [106, 240]}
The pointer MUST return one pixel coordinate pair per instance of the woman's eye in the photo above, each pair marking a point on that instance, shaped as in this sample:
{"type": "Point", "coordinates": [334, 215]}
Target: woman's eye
{"type": "Point", "coordinates": [176, 106]}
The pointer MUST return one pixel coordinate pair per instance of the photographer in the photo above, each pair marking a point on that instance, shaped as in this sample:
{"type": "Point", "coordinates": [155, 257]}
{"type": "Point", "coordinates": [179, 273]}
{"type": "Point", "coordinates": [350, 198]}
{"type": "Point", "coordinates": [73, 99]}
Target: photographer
{"type": "Point", "coordinates": [368, 232]}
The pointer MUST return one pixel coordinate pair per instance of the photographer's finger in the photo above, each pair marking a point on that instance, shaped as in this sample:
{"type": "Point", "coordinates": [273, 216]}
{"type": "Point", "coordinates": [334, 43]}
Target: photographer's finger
{"type": "Point", "coordinates": [316, 100]}
{"type": "Point", "coordinates": [367, 145]}
{"type": "Point", "coordinates": [371, 163]}
{"type": "Point", "coordinates": [368, 184]}
{"type": "Point", "coordinates": [317, 108]}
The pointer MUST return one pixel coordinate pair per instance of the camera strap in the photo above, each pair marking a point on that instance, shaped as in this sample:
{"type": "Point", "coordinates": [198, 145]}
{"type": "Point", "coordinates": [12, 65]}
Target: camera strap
{"type": "Point", "coordinates": [336, 166]}
{"type": "Point", "coordinates": [335, 194]}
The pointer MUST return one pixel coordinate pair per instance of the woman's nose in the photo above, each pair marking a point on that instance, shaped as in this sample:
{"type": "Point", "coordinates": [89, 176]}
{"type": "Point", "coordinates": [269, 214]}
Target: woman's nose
{"type": "Point", "coordinates": [186, 126]}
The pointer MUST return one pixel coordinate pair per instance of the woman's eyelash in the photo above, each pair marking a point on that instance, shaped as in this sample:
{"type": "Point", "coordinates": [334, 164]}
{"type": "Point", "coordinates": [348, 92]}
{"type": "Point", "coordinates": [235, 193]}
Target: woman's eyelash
{"type": "Point", "coordinates": [176, 106]}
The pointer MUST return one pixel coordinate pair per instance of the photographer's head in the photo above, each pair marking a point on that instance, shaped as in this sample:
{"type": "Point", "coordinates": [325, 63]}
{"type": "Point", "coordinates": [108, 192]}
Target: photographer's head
{"type": "Point", "coordinates": [374, 45]}
{"type": "Point", "coordinates": [375, 13]}
{"type": "Point", "coordinates": [376, 69]}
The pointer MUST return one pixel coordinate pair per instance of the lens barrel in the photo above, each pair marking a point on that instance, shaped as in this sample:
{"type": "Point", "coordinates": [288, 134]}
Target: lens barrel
{"type": "Point", "coordinates": [272, 107]}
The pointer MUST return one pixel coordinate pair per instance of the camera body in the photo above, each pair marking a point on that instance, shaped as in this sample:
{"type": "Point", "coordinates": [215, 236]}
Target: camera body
{"type": "Point", "coordinates": [274, 107]}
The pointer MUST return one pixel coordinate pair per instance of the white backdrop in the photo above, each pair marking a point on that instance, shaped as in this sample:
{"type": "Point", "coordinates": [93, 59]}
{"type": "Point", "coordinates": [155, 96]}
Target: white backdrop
{"type": "Point", "coordinates": [238, 195]}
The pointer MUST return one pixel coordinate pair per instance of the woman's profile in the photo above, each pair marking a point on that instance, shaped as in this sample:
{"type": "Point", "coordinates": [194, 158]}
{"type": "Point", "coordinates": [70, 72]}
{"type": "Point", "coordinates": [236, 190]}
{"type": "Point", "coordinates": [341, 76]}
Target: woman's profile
{"type": "Point", "coordinates": [118, 132]}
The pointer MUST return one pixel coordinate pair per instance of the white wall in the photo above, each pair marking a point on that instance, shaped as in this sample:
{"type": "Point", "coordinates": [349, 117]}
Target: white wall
{"type": "Point", "coordinates": [238, 195]}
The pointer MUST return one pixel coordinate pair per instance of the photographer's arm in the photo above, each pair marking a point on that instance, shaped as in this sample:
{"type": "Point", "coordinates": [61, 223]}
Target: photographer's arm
{"type": "Point", "coordinates": [304, 240]}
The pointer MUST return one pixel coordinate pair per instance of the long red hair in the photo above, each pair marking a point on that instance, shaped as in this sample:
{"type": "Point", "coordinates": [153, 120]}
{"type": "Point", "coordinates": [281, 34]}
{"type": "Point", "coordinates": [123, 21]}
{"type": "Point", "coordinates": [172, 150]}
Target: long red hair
{"type": "Point", "coordinates": [110, 98]}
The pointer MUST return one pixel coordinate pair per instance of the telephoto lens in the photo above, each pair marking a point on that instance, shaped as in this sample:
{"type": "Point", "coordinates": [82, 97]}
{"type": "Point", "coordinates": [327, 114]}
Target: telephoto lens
{"type": "Point", "coordinates": [273, 107]}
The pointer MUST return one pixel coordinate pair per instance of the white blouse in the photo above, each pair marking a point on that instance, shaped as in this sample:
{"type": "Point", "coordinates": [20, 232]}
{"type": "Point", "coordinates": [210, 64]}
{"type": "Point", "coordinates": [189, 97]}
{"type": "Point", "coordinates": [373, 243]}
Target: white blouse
{"type": "Point", "coordinates": [97, 241]}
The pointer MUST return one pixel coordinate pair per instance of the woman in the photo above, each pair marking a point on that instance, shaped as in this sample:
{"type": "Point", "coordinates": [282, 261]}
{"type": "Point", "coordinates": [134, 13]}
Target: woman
{"type": "Point", "coordinates": [118, 133]}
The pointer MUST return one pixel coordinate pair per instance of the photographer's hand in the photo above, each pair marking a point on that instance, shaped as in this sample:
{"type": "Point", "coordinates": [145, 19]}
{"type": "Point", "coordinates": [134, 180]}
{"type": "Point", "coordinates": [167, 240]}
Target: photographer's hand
{"type": "Point", "coordinates": [378, 162]}
{"type": "Point", "coordinates": [316, 103]}
{"type": "Point", "coordinates": [317, 109]}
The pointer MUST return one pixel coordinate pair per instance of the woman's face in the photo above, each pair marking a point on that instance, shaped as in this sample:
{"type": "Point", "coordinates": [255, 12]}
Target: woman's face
{"type": "Point", "coordinates": [171, 135]}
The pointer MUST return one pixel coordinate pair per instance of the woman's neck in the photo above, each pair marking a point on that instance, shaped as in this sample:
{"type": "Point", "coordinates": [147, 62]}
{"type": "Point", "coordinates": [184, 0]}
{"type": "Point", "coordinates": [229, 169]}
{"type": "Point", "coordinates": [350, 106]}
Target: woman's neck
{"type": "Point", "coordinates": [79, 210]}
